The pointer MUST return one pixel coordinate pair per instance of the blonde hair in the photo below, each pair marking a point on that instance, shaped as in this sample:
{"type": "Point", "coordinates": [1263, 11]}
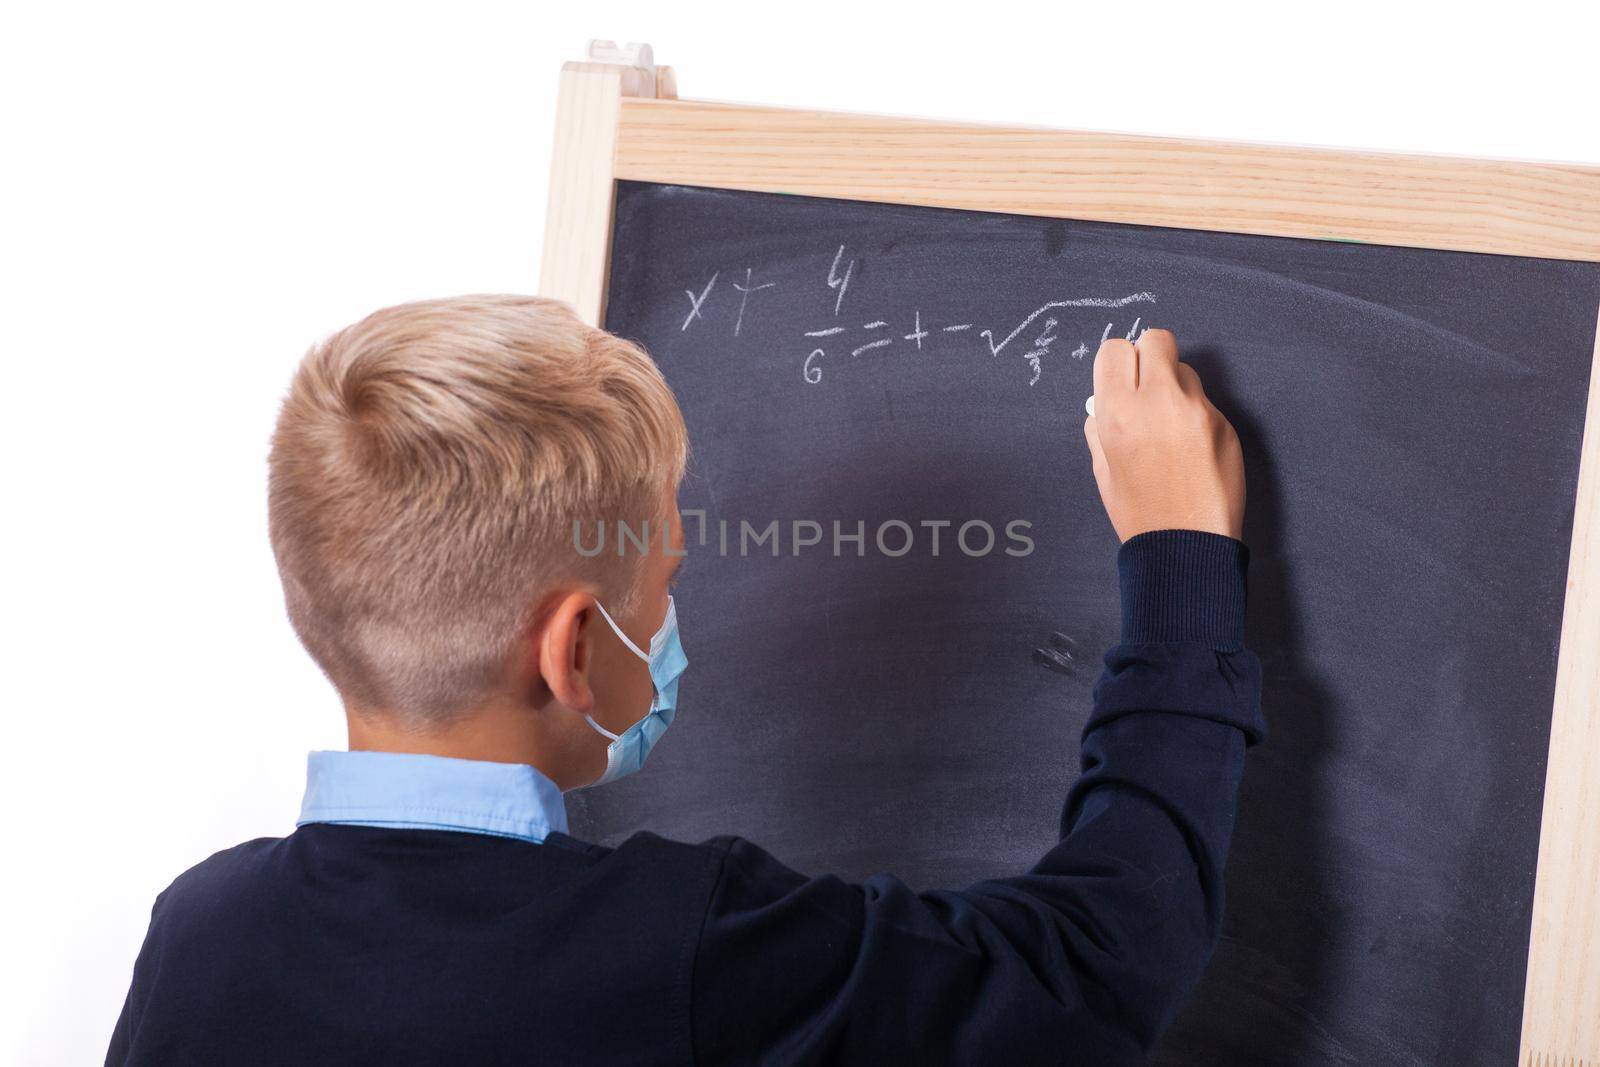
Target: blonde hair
{"type": "Point", "coordinates": [427, 472]}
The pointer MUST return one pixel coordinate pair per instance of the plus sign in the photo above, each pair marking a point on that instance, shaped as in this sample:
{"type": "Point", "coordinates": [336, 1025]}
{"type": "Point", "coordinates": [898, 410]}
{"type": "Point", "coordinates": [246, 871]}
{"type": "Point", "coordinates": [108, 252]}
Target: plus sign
{"type": "Point", "coordinates": [918, 333]}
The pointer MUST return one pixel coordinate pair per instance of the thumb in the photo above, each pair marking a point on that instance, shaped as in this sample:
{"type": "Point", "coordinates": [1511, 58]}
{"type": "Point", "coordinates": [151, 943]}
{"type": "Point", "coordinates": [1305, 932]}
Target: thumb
{"type": "Point", "coordinates": [1097, 455]}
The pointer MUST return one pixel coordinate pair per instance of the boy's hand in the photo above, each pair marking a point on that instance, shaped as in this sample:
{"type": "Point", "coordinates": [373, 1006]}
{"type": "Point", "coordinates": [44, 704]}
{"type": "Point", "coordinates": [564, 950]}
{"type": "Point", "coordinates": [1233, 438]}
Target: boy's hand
{"type": "Point", "coordinates": [1164, 458]}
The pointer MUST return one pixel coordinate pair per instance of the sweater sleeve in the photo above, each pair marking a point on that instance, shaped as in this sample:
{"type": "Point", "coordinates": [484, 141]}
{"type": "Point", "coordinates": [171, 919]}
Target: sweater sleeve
{"type": "Point", "coordinates": [122, 1037]}
{"type": "Point", "coordinates": [1083, 959]}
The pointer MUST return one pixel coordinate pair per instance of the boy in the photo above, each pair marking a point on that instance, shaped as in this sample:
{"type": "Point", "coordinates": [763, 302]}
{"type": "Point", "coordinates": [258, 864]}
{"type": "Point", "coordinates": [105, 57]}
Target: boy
{"type": "Point", "coordinates": [426, 473]}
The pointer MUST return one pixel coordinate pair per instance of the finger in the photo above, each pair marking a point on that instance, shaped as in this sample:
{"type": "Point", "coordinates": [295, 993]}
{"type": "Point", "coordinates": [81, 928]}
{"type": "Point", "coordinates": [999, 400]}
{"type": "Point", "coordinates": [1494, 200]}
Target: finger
{"type": "Point", "coordinates": [1158, 355]}
{"type": "Point", "coordinates": [1191, 385]}
{"type": "Point", "coordinates": [1115, 370]}
{"type": "Point", "coordinates": [1189, 380]}
{"type": "Point", "coordinates": [1097, 455]}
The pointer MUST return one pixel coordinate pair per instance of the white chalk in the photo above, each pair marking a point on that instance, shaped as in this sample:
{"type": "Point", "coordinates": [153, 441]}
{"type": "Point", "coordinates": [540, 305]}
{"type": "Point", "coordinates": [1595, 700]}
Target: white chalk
{"type": "Point", "coordinates": [1088, 405]}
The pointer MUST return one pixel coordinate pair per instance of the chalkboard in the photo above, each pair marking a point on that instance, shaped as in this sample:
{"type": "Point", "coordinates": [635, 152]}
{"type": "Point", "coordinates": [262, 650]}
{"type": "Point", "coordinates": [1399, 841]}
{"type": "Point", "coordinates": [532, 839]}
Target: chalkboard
{"type": "Point", "coordinates": [1411, 422]}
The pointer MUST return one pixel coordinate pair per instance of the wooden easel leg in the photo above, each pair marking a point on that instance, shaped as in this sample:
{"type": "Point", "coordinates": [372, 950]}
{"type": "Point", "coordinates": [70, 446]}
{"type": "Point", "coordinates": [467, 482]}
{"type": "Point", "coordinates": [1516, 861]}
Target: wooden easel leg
{"type": "Point", "coordinates": [577, 227]}
{"type": "Point", "coordinates": [1561, 1005]}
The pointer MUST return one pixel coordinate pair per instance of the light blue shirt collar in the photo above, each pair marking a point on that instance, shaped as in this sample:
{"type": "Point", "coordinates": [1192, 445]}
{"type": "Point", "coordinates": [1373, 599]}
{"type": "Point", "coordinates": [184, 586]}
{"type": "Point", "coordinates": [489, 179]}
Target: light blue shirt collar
{"type": "Point", "coordinates": [399, 790]}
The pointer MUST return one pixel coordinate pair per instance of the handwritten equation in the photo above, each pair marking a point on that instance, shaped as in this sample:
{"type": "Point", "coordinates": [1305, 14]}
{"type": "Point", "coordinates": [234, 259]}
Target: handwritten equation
{"type": "Point", "coordinates": [1029, 341]}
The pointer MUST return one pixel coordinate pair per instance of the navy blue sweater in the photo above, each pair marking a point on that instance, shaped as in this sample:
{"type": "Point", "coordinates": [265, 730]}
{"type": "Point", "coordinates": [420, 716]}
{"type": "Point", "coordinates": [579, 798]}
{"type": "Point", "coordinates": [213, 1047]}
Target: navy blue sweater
{"type": "Point", "coordinates": [348, 944]}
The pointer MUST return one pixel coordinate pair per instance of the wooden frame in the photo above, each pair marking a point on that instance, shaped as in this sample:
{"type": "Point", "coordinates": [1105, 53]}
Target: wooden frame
{"type": "Point", "coordinates": [621, 120]}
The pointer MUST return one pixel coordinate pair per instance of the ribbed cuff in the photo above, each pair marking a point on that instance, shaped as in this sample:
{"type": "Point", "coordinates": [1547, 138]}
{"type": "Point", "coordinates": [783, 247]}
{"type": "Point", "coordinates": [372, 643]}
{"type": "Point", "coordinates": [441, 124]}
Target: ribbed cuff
{"type": "Point", "coordinates": [1183, 585]}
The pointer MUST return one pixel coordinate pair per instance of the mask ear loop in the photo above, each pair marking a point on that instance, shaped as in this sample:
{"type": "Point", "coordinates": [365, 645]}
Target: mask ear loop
{"type": "Point", "coordinates": [618, 631]}
{"type": "Point", "coordinates": [637, 652]}
{"type": "Point", "coordinates": [590, 719]}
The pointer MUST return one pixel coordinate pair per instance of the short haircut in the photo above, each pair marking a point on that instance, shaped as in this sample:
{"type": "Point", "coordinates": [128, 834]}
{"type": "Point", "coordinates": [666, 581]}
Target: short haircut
{"type": "Point", "coordinates": [427, 471]}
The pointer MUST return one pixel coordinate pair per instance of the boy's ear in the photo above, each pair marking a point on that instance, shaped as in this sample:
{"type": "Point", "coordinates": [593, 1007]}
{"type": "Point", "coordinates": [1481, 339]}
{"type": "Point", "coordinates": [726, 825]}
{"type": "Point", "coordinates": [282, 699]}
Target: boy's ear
{"type": "Point", "coordinates": [564, 647]}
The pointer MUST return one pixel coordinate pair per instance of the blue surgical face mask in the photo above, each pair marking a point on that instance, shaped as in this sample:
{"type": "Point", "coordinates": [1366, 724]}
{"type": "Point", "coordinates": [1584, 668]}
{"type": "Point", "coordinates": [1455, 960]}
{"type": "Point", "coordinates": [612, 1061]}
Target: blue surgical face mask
{"type": "Point", "coordinates": [628, 749]}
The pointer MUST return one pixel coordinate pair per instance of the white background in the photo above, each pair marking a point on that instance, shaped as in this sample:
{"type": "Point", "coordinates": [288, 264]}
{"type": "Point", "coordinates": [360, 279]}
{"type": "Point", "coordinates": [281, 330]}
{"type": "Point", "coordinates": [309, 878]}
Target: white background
{"type": "Point", "coordinates": [190, 196]}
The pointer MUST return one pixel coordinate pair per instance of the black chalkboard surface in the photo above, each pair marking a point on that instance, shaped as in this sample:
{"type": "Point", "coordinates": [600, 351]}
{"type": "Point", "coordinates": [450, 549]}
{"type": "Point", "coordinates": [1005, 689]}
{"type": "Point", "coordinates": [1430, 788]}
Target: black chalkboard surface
{"type": "Point", "coordinates": [1411, 422]}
